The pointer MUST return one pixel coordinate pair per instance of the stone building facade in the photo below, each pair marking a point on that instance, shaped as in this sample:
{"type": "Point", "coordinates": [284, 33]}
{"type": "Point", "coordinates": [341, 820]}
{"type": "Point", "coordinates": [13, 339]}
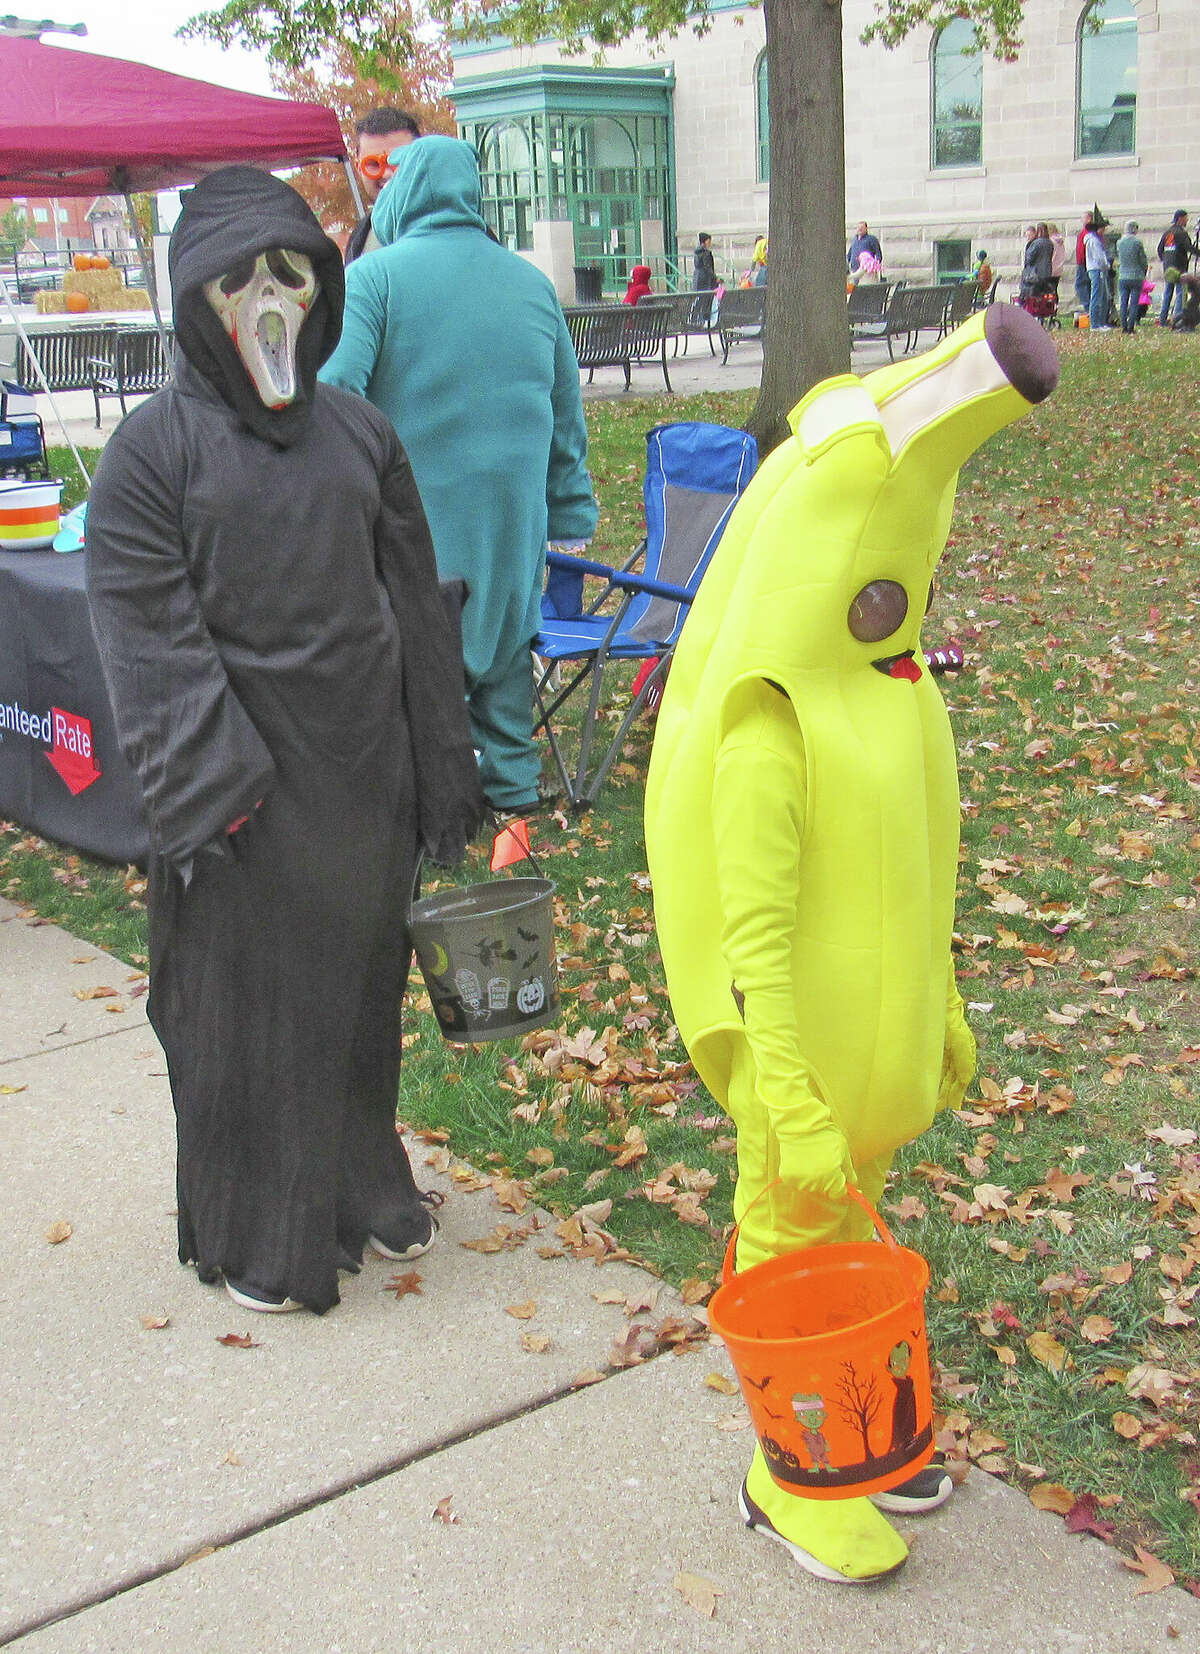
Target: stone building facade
{"type": "Point", "coordinates": [946, 150]}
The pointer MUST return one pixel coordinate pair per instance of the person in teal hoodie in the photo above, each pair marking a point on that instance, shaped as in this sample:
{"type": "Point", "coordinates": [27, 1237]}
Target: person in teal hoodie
{"type": "Point", "coordinates": [463, 345]}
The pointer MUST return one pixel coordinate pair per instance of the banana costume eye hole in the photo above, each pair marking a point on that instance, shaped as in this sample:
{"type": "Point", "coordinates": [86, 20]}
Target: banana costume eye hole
{"type": "Point", "coordinates": [877, 611]}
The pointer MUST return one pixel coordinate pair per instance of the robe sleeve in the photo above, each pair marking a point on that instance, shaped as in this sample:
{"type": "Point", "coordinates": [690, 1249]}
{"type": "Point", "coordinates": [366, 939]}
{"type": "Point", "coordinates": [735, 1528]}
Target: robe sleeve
{"type": "Point", "coordinates": [352, 365]}
{"type": "Point", "coordinates": [449, 794]}
{"type": "Point", "coordinates": [200, 759]}
{"type": "Point", "coordinates": [569, 498]}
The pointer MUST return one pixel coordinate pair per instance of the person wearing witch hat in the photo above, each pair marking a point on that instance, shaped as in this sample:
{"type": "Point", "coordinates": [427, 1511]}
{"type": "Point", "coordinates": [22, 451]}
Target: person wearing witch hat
{"type": "Point", "coordinates": [287, 682]}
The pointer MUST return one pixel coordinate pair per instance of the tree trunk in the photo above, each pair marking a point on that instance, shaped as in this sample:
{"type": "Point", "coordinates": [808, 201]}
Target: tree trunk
{"type": "Point", "coordinates": [806, 334]}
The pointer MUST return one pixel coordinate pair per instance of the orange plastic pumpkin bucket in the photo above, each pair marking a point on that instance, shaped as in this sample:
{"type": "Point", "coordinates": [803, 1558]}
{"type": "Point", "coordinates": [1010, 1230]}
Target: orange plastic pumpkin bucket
{"type": "Point", "coordinates": [831, 1352]}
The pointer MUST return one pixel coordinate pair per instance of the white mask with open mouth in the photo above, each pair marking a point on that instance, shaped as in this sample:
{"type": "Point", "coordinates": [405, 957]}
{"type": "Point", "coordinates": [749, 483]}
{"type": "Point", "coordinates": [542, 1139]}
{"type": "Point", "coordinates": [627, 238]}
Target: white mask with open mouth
{"type": "Point", "coordinates": [263, 303]}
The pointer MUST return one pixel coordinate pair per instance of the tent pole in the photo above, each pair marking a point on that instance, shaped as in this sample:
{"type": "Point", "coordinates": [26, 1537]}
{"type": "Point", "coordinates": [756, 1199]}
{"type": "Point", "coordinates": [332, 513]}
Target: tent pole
{"type": "Point", "coordinates": [147, 273]}
{"type": "Point", "coordinates": [39, 372]}
{"type": "Point", "coordinates": [352, 180]}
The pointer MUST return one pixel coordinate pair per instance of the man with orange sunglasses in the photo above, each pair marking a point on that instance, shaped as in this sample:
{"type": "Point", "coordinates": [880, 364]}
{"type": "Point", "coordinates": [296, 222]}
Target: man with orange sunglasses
{"type": "Point", "coordinates": [378, 133]}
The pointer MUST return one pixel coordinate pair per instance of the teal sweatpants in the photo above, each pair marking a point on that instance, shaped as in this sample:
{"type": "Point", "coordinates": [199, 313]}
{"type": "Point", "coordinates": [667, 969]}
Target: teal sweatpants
{"type": "Point", "coordinates": [500, 706]}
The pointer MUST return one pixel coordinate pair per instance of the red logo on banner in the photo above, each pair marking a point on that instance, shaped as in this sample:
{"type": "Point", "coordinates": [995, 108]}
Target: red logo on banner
{"type": "Point", "coordinates": [72, 754]}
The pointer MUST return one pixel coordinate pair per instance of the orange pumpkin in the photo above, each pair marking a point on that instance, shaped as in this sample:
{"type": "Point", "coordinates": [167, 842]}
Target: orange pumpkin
{"type": "Point", "coordinates": [77, 303]}
{"type": "Point", "coordinates": [82, 261]}
{"type": "Point", "coordinates": [99, 262]}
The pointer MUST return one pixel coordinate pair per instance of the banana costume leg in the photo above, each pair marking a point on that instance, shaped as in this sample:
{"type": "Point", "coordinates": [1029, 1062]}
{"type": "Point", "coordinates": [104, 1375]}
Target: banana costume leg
{"type": "Point", "coordinates": [802, 821]}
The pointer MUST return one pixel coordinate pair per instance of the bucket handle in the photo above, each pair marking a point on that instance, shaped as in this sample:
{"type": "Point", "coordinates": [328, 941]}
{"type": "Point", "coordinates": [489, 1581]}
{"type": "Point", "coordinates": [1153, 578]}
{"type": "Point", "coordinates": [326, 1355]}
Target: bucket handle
{"type": "Point", "coordinates": [416, 884]}
{"type": "Point", "coordinates": [728, 1271]}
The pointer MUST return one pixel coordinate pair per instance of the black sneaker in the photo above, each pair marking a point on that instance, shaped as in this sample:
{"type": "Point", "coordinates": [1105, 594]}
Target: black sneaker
{"type": "Point", "coordinates": [250, 1297]}
{"type": "Point", "coordinates": [928, 1489]}
{"type": "Point", "coordinates": [413, 1236]}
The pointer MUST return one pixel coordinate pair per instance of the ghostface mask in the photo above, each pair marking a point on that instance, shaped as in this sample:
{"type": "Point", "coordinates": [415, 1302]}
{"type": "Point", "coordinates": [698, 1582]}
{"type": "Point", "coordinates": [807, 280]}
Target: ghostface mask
{"type": "Point", "coordinates": [263, 303]}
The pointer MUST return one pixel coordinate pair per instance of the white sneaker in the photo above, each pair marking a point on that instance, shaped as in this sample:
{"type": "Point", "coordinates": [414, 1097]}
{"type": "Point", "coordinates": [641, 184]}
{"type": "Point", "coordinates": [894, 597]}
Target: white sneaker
{"type": "Point", "coordinates": [250, 1298]}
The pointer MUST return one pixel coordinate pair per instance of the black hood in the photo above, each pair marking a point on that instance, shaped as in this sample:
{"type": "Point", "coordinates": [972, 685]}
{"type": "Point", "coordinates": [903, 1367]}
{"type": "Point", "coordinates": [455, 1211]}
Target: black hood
{"type": "Point", "coordinates": [233, 214]}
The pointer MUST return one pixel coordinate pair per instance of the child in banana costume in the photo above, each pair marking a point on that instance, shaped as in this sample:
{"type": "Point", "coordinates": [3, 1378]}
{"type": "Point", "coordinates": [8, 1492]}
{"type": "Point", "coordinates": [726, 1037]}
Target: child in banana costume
{"type": "Point", "coordinates": [802, 822]}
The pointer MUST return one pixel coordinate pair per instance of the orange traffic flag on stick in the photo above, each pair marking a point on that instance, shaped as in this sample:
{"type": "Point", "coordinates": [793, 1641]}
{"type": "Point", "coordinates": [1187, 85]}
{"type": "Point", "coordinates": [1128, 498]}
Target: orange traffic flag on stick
{"type": "Point", "coordinates": [510, 844]}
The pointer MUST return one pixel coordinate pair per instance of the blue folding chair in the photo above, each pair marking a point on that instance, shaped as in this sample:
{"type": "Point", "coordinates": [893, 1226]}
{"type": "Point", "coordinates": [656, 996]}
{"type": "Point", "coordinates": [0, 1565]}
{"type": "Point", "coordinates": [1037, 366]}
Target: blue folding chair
{"type": "Point", "coordinates": [694, 476]}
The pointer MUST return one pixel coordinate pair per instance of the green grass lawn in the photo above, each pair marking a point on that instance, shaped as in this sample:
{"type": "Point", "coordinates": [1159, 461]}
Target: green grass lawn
{"type": "Point", "coordinates": [1060, 1209]}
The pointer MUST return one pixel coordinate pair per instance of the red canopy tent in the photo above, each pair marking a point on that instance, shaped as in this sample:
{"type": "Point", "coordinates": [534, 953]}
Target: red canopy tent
{"type": "Point", "coordinates": [73, 123]}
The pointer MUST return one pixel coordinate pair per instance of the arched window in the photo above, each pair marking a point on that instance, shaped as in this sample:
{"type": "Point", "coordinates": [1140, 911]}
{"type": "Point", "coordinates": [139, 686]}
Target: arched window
{"type": "Point", "coordinates": [762, 120]}
{"type": "Point", "coordinates": [1107, 79]}
{"type": "Point", "coordinates": [957, 135]}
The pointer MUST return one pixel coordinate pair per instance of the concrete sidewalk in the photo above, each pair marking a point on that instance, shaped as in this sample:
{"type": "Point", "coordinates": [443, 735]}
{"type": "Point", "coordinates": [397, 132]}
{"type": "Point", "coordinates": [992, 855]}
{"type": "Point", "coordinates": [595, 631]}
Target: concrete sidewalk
{"type": "Point", "coordinates": [165, 1491]}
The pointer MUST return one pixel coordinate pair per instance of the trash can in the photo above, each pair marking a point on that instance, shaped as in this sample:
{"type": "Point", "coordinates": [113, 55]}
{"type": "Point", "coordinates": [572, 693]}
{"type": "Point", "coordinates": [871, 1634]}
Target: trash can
{"type": "Point", "coordinates": [589, 280]}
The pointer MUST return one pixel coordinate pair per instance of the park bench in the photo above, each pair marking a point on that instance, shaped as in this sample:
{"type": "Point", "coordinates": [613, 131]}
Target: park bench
{"type": "Point", "coordinates": [134, 363]}
{"type": "Point", "coordinates": [960, 305]}
{"type": "Point", "coordinates": [740, 315]}
{"type": "Point", "coordinates": [64, 356]}
{"type": "Point", "coordinates": [618, 335]}
{"type": "Point", "coordinates": [689, 316]}
{"type": "Point", "coordinates": [866, 309]}
{"type": "Point", "coordinates": [912, 311]}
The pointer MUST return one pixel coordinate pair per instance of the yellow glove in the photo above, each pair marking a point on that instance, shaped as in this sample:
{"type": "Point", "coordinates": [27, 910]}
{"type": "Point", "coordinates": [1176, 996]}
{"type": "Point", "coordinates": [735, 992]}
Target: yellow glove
{"type": "Point", "coordinates": [959, 1056]}
{"type": "Point", "coordinates": [816, 1161]}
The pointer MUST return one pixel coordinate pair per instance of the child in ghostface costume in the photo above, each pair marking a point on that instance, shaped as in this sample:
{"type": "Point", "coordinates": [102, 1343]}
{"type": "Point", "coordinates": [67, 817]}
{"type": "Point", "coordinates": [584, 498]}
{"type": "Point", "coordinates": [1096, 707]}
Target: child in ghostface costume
{"type": "Point", "coordinates": [802, 832]}
{"type": "Point", "coordinates": [288, 684]}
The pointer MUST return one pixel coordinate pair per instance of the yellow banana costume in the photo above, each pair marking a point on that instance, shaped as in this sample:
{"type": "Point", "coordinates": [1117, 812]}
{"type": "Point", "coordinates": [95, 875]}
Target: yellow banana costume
{"type": "Point", "coordinates": [802, 819]}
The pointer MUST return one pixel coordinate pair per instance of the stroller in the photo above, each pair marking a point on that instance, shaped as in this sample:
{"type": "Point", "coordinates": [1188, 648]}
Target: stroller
{"type": "Point", "coordinates": [1042, 303]}
{"type": "Point", "coordinates": [22, 435]}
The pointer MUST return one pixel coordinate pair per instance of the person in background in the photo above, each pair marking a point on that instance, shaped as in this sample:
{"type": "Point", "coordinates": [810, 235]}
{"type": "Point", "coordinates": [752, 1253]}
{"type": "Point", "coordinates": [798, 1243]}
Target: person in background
{"type": "Point", "coordinates": [639, 284]}
{"type": "Point", "coordinates": [704, 266]}
{"type": "Point", "coordinates": [1098, 264]}
{"type": "Point", "coordinates": [1083, 282]}
{"type": "Point", "coordinates": [1058, 256]}
{"type": "Point", "coordinates": [463, 345]}
{"type": "Point", "coordinates": [1035, 269]}
{"type": "Point", "coordinates": [1175, 249]}
{"type": "Point", "coordinates": [1132, 266]}
{"type": "Point", "coordinates": [862, 242]}
{"type": "Point", "coordinates": [982, 275]}
{"type": "Point", "coordinates": [378, 134]}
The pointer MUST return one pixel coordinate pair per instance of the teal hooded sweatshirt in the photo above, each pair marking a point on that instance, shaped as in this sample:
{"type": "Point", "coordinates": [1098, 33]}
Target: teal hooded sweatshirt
{"type": "Point", "coordinates": [463, 345]}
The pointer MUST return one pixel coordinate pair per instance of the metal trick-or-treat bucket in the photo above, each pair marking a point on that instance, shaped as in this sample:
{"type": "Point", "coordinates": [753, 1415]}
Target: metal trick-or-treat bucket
{"type": "Point", "coordinates": [486, 952]}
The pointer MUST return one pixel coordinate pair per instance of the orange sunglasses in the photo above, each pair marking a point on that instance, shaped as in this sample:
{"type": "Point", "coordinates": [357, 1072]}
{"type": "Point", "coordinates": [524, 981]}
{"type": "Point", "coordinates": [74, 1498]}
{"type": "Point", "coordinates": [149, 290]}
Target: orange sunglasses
{"type": "Point", "coordinates": [375, 166]}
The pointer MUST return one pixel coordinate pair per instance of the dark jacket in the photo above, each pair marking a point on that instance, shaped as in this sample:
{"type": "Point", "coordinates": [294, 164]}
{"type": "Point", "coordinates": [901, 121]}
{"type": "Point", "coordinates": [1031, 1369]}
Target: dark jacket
{"type": "Point", "coordinates": [1176, 248]}
{"type": "Point", "coordinates": [357, 241]}
{"type": "Point", "coordinates": [1035, 270]}
{"type": "Point", "coordinates": [704, 270]}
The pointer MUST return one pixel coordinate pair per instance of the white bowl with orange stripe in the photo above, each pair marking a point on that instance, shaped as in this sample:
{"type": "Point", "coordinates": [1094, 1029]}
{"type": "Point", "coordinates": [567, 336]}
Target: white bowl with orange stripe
{"type": "Point", "coordinates": [29, 514]}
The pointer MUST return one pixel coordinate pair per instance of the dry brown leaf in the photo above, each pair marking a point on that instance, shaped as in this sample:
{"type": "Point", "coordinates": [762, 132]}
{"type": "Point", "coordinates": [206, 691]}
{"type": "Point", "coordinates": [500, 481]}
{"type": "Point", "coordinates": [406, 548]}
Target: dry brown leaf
{"type": "Point", "coordinates": [1097, 1329]}
{"type": "Point", "coordinates": [1044, 1347]}
{"type": "Point", "coordinates": [95, 993]}
{"type": "Point", "coordinates": [1125, 1424]}
{"type": "Point", "coordinates": [1156, 1574]}
{"type": "Point", "coordinates": [1052, 1496]}
{"type": "Point", "coordinates": [404, 1286]}
{"type": "Point", "coordinates": [238, 1341]}
{"type": "Point", "coordinates": [723, 1386]}
{"type": "Point", "coordinates": [535, 1343]}
{"type": "Point", "coordinates": [695, 1290]}
{"type": "Point", "coordinates": [153, 1322]}
{"type": "Point", "coordinates": [443, 1513]}
{"type": "Point", "coordinates": [59, 1231]}
{"type": "Point", "coordinates": [12, 1090]}
{"type": "Point", "coordinates": [588, 1376]}
{"type": "Point", "coordinates": [522, 1312]}
{"type": "Point", "coordinates": [699, 1593]}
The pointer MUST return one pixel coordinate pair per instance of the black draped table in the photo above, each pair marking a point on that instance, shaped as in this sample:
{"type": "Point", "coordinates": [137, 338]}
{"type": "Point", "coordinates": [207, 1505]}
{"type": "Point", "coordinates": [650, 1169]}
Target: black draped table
{"type": "Point", "coordinates": [61, 773]}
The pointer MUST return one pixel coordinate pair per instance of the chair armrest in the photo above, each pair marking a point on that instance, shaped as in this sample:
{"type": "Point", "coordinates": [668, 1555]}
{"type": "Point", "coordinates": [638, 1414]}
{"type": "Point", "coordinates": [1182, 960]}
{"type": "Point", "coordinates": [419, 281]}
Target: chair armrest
{"type": "Point", "coordinates": [565, 560]}
{"type": "Point", "coordinates": [620, 577]}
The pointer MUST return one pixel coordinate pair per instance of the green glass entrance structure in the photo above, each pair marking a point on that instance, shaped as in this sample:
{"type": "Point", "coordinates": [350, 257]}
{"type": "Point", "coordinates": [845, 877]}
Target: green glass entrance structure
{"type": "Point", "coordinates": [590, 147]}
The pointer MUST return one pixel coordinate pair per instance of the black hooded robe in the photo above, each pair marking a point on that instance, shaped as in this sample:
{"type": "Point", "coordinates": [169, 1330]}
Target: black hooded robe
{"type": "Point", "coordinates": [265, 600]}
